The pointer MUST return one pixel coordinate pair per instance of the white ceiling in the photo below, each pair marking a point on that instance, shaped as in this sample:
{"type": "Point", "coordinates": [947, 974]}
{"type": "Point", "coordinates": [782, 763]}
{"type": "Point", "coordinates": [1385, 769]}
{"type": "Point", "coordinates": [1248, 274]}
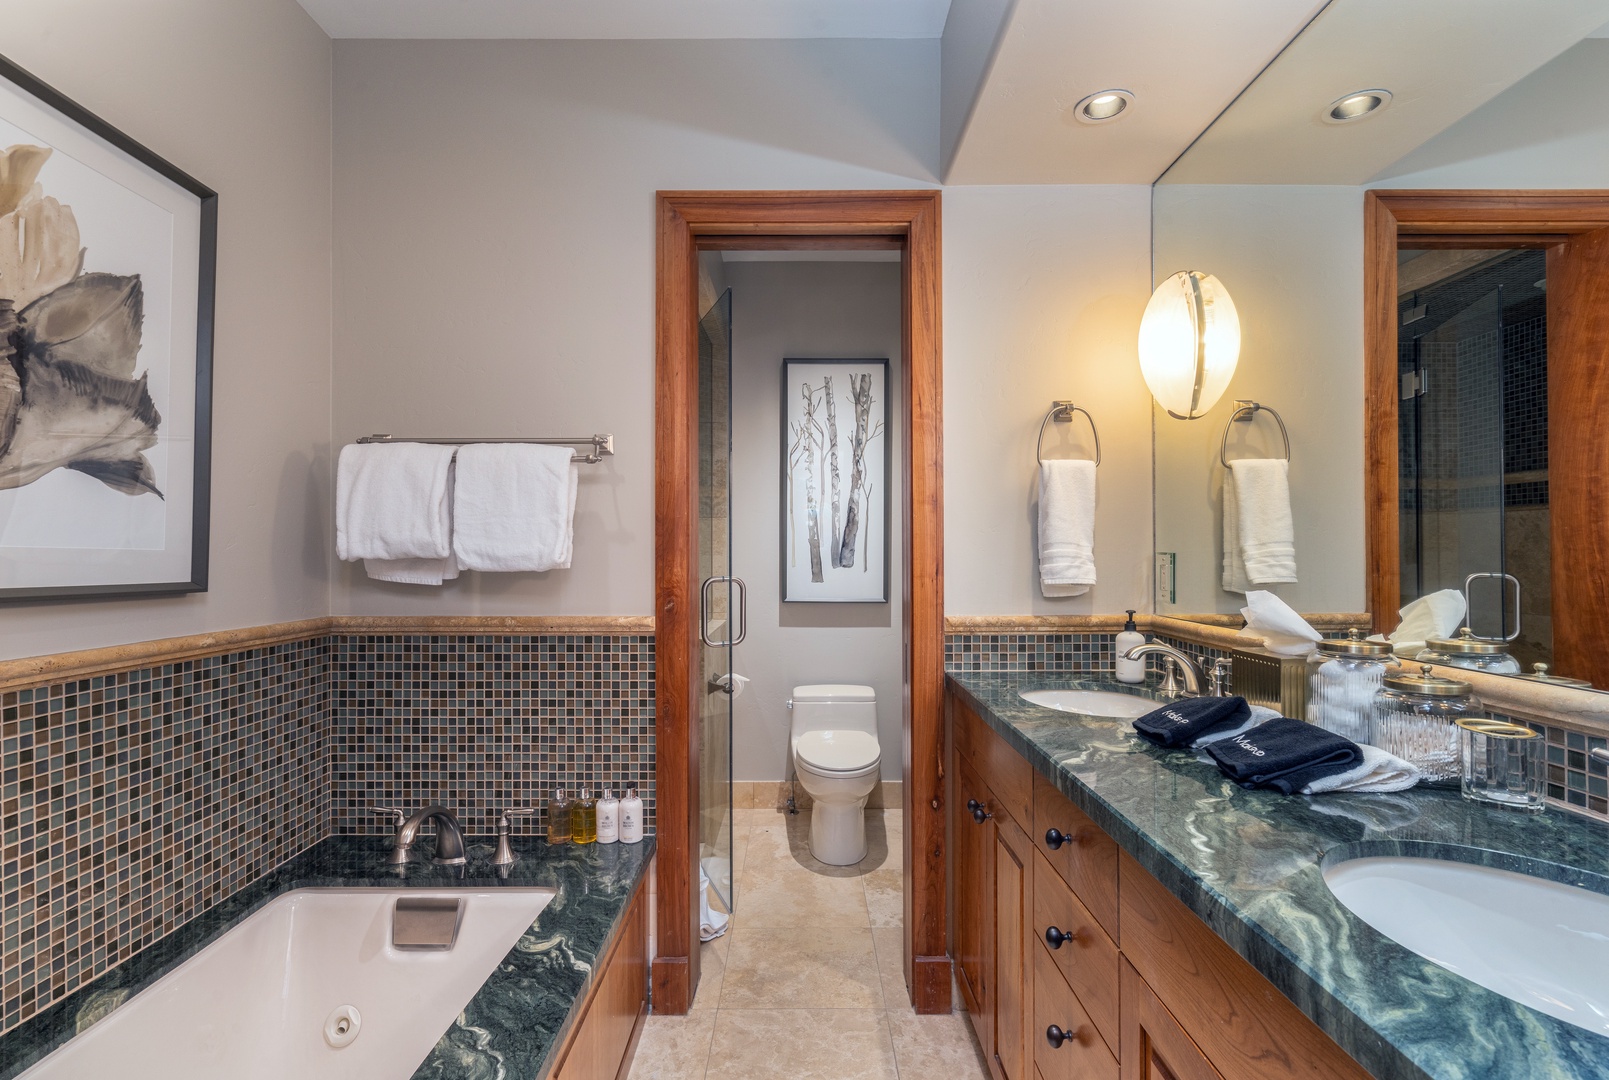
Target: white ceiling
{"type": "Point", "coordinates": [1440, 58]}
{"type": "Point", "coordinates": [1182, 62]}
{"type": "Point", "coordinates": [649, 19]}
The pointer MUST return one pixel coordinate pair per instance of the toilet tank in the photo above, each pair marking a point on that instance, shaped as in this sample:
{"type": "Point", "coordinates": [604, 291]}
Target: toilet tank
{"type": "Point", "coordinates": [834, 707]}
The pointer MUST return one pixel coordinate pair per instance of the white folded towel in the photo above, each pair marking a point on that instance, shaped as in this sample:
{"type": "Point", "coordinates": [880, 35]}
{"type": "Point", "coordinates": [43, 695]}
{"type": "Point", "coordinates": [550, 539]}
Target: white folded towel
{"type": "Point", "coordinates": [1283, 631]}
{"type": "Point", "coordinates": [1379, 771]}
{"type": "Point", "coordinates": [1066, 527]}
{"type": "Point", "coordinates": [514, 507]}
{"type": "Point", "coordinates": [1259, 536]}
{"type": "Point", "coordinates": [393, 510]}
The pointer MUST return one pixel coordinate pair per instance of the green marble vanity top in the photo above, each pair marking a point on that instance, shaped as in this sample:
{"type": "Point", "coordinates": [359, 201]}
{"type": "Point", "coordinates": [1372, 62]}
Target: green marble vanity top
{"type": "Point", "coordinates": [1249, 864]}
{"type": "Point", "coordinates": [510, 1028]}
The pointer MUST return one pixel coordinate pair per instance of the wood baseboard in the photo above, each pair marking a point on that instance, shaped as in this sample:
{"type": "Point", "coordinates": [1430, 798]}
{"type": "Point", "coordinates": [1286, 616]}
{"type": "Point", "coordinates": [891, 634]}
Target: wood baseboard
{"type": "Point", "coordinates": [931, 980]}
{"type": "Point", "coordinates": [672, 993]}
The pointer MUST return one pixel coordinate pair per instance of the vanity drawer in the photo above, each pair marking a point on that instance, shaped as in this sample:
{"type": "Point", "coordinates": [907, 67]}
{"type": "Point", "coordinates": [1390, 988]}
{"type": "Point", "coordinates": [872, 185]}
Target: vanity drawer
{"type": "Point", "coordinates": [1087, 959]}
{"type": "Point", "coordinates": [1007, 772]}
{"type": "Point", "coordinates": [1086, 857]}
{"type": "Point", "coordinates": [1082, 1055]}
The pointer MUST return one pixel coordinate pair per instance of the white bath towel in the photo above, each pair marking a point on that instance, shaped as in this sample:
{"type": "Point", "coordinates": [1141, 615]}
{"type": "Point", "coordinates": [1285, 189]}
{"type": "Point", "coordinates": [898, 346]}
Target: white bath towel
{"type": "Point", "coordinates": [393, 510]}
{"type": "Point", "coordinates": [1258, 528]}
{"type": "Point", "coordinates": [514, 507]}
{"type": "Point", "coordinates": [1066, 527]}
{"type": "Point", "coordinates": [1379, 771]}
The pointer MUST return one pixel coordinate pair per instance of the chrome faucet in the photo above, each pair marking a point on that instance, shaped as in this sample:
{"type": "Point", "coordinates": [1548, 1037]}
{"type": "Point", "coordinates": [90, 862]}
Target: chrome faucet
{"type": "Point", "coordinates": [1186, 667]}
{"type": "Point", "coordinates": [449, 837]}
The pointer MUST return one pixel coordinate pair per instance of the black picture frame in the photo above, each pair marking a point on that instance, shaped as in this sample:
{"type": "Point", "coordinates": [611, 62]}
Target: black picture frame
{"type": "Point", "coordinates": [883, 410]}
{"type": "Point", "coordinates": [206, 282]}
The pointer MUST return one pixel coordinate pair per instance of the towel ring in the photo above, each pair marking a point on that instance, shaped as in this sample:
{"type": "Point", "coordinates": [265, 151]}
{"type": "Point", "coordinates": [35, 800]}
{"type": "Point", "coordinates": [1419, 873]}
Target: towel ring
{"type": "Point", "coordinates": [1251, 409]}
{"type": "Point", "coordinates": [1062, 412]}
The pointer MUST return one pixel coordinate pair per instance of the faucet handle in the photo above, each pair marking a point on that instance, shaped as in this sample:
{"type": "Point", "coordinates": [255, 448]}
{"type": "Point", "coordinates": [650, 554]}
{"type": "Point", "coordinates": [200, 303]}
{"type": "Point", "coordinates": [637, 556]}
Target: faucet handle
{"type": "Point", "coordinates": [512, 811]}
{"type": "Point", "coordinates": [505, 853]}
{"type": "Point", "coordinates": [397, 815]}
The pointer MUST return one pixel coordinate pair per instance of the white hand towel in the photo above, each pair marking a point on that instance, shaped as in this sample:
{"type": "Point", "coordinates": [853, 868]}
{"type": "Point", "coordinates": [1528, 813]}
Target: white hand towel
{"type": "Point", "coordinates": [514, 507]}
{"type": "Point", "coordinates": [393, 510]}
{"type": "Point", "coordinates": [1234, 576]}
{"type": "Point", "coordinates": [1265, 535]}
{"type": "Point", "coordinates": [1283, 631]}
{"type": "Point", "coordinates": [1379, 771]}
{"type": "Point", "coordinates": [1066, 527]}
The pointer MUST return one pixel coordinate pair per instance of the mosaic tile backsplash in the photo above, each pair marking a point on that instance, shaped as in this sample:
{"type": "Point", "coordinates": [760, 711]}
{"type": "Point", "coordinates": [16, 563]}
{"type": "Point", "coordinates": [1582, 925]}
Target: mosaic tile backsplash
{"type": "Point", "coordinates": [133, 802]}
{"type": "Point", "coordinates": [1084, 653]}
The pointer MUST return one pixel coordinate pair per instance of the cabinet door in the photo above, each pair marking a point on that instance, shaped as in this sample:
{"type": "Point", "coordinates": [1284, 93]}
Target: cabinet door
{"type": "Point", "coordinates": [1012, 897]}
{"type": "Point", "coordinates": [1155, 1047]}
{"type": "Point", "coordinates": [974, 902]}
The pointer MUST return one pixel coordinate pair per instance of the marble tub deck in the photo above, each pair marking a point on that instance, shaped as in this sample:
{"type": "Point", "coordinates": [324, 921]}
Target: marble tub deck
{"type": "Point", "coordinates": [1249, 864]}
{"type": "Point", "coordinates": [510, 1028]}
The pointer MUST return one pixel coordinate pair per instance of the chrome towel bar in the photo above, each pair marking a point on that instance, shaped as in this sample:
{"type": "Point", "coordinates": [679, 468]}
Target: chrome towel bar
{"type": "Point", "coordinates": [602, 445]}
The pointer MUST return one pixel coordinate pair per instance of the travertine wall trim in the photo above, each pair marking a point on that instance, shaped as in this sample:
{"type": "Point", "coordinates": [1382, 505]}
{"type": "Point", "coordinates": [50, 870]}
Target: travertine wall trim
{"type": "Point", "coordinates": [56, 667]}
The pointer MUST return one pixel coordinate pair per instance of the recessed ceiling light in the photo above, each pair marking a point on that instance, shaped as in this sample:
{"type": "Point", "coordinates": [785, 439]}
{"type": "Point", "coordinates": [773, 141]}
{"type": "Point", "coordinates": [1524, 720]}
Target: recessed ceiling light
{"type": "Point", "coordinates": [1357, 106]}
{"type": "Point", "coordinates": [1103, 105]}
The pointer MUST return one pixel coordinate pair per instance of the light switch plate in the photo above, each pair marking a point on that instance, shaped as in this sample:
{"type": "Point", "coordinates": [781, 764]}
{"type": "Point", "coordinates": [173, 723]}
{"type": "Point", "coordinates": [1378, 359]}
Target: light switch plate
{"type": "Point", "coordinates": [1167, 590]}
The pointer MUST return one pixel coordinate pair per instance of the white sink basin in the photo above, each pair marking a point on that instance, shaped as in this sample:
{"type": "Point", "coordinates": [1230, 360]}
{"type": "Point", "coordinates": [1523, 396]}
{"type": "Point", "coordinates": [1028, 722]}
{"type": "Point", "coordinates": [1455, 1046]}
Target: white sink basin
{"type": "Point", "coordinates": [1538, 942]}
{"type": "Point", "coordinates": [1090, 702]}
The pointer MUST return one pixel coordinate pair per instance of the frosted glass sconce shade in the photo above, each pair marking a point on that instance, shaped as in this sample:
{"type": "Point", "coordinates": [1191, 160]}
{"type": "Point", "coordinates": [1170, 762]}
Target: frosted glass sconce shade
{"type": "Point", "coordinates": [1189, 343]}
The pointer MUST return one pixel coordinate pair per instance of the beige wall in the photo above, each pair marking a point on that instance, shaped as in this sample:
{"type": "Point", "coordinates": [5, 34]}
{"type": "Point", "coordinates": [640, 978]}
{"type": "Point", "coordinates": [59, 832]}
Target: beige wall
{"type": "Point", "coordinates": [238, 95]}
{"type": "Point", "coordinates": [816, 310]}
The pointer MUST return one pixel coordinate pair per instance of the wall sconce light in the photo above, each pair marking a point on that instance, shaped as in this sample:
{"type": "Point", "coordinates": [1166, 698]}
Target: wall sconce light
{"type": "Point", "coordinates": [1189, 343]}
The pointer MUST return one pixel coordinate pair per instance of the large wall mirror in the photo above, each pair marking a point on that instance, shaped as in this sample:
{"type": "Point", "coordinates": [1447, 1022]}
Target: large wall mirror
{"type": "Point", "coordinates": [1407, 207]}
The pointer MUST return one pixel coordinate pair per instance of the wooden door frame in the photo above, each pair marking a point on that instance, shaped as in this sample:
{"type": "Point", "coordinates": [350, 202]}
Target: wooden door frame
{"type": "Point", "coordinates": [1500, 218]}
{"type": "Point", "coordinates": [686, 222]}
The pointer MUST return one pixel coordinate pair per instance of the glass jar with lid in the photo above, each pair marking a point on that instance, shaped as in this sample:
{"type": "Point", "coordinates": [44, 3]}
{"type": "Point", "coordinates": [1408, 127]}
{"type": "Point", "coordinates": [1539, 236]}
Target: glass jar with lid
{"type": "Point", "coordinates": [1468, 651]}
{"type": "Point", "coordinates": [1540, 673]}
{"type": "Point", "coordinates": [1416, 718]}
{"type": "Point", "coordinates": [1343, 675]}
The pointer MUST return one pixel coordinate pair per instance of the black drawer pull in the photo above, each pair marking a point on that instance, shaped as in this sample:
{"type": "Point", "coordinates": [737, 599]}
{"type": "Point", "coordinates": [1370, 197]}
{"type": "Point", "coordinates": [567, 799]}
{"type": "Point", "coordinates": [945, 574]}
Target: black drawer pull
{"type": "Point", "coordinates": [1055, 838]}
{"type": "Point", "coordinates": [980, 815]}
{"type": "Point", "coordinates": [1055, 1036]}
{"type": "Point", "coordinates": [1054, 937]}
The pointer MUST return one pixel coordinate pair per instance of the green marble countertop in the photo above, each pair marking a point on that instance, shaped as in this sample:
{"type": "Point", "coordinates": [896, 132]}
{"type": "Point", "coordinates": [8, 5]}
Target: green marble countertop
{"type": "Point", "coordinates": [509, 1029]}
{"type": "Point", "coordinates": [1249, 864]}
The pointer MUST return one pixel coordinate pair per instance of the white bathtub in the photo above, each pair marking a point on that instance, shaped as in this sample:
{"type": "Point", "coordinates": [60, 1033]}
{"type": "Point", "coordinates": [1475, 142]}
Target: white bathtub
{"type": "Point", "coordinates": [253, 1005]}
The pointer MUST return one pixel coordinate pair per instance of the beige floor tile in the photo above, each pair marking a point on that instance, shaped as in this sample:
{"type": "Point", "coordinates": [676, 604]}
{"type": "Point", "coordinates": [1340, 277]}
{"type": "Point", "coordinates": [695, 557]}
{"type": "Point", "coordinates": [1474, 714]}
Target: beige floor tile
{"type": "Point", "coordinates": [885, 897]}
{"type": "Point", "coordinates": [936, 1046]}
{"type": "Point", "coordinates": [801, 1044]}
{"type": "Point", "coordinates": [711, 972]}
{"type": "Point", "coordinates": [800, 969]}
{"type": "Point", "coordinates": [889, 942]}
{"type": "Point", "coordinates": [785, 895]}
{"type": "Point", "coordinates": [740, 847]}
{"type": "Point", "coordinates": [674, 1047]}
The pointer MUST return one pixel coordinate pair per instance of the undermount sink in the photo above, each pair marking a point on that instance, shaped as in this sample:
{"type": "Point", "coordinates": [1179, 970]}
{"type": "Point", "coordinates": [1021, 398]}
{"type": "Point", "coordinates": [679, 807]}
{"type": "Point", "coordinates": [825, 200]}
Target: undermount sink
{"type": "Point", "coordinates": [1537, 942]}
{"type": "Point", "coordinates": [1090, 702]}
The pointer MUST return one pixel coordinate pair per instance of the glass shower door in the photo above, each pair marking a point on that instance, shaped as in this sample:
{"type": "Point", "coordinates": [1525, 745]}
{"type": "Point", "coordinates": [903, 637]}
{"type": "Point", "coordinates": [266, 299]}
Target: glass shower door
{"type": "Point", "coordinates": [721, 601]}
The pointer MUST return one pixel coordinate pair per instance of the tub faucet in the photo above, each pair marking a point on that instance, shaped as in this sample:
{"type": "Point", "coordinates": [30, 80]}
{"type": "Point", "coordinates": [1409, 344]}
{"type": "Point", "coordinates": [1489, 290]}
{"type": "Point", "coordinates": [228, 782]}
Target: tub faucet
{"type": "Point", "coordinates": [1186, 667]}
{"type": "Point", "coordinates": [449, 837]}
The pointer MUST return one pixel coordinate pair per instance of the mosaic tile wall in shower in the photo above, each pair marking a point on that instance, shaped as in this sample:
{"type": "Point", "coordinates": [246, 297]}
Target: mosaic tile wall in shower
{"type": "Point", "coordinates": [1081, 653]}
{"type": "Point", "coordinates": [484, 722]}
{"type": "Point", "coordinates": [1574, 780]}
{"type": "Point", "coordinates": [132, 802]}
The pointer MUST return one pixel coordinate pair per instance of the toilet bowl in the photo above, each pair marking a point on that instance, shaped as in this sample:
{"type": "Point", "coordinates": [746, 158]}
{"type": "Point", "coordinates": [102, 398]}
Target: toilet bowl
{"type": "Point", "coordinates": [837, 759]}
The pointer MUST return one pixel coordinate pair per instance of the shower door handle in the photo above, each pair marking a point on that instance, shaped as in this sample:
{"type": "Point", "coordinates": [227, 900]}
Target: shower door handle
{"type": "Point", "coordinates": [704, 613]}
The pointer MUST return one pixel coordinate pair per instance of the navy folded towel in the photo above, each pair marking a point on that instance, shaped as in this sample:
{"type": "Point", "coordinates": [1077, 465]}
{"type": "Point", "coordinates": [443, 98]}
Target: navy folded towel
{"type": "Point", "coordinates": [1285, 755]}
{"type": "Point", "coordinates": [1180, 723]}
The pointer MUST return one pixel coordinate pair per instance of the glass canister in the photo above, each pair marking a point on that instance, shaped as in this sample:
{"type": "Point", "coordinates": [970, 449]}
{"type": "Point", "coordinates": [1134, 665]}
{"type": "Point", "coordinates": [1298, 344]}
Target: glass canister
{"type": "Point", "coordinates": [1468, 651]}
{"type": "Point", "coordinates": [1343, 675]}
{"type": "Point", "coordinates": [1416, 718]}
{"type": "Point", "coordinates": [1503, 763]}
{"type": "Point", "coordinates": [1540, 673]}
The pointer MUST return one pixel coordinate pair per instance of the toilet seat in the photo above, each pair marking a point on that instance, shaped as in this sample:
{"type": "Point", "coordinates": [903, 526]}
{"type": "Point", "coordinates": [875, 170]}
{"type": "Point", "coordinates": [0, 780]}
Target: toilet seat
{"type": "Point", "coordinates": [838, 753]}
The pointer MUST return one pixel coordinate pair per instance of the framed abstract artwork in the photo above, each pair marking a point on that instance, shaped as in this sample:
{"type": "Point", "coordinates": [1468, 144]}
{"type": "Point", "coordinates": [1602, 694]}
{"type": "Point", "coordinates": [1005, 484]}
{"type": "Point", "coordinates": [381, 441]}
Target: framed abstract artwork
{"type": "Point", "coordinates": [107, 262]}
{"type": "Point", "coordinates": [835, 481]}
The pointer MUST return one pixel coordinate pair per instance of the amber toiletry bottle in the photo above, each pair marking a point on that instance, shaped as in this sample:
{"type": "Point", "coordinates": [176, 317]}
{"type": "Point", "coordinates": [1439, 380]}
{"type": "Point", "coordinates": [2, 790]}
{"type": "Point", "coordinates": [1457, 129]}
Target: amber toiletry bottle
{"type": "Point", "coordinates": [558, 818]}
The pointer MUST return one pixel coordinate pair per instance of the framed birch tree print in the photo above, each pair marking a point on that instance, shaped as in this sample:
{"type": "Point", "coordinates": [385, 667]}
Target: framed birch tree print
{"type": "Point", "coordinates": [107, 257]}
{"type": "Point", "coordinates": [835, 481]}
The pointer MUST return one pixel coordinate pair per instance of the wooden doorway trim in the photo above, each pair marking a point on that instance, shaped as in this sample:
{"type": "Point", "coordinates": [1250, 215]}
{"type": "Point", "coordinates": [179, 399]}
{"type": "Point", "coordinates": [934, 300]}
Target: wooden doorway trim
{"type": "Point", "coordinates": [687, 221]}
{"type": "Point", "coordinates": [1574, 228]}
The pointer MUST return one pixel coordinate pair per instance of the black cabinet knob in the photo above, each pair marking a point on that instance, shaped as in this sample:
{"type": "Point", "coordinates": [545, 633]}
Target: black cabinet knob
{"type": "Point", "coordinates": [974, 805]}
{"type": "Point", "coordinates": [1055, 838]}
{"type": "Point", "coordinates": [1054, 937]}
{"type": "Point", "coordinates": [1055, 1036]}
{"type": "Point", "coordinates": [980, 815]}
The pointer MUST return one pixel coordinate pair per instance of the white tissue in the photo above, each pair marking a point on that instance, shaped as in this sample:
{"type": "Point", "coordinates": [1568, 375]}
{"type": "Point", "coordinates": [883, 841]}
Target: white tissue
{"type": "Point", "coordinates": [733, 683]}
{"type": "Point", "coordinates": [1436, 615]}
{"type": "Point", "coordinates": [1284, 632]}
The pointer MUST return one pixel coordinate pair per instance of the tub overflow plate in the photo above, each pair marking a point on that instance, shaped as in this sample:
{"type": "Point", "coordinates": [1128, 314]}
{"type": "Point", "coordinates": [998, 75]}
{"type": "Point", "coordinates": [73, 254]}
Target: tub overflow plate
{"type": "Point", "coordinates": [341, 1026]}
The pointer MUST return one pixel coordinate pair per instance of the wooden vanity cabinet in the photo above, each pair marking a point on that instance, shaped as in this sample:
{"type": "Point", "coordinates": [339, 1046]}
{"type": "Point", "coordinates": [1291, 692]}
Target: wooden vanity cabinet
{"type": "Point", "coordinates": [1131, 983]}
{"type": "Point", "coordinates": [604, 1040]}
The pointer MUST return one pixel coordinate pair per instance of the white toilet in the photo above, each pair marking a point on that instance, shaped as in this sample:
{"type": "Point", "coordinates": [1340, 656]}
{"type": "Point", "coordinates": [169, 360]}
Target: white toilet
{"type": "Point", "coordinates": [836, 758]}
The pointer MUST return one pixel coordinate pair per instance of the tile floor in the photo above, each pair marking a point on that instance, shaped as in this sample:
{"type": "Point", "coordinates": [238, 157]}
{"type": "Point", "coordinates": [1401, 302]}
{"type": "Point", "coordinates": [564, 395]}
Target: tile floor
{"type": "Point", "coordinates": [808, 982]}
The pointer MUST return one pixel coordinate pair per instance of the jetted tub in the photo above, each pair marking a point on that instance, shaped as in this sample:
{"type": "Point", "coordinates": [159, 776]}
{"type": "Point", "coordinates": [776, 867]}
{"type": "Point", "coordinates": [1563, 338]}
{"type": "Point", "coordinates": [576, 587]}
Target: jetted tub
{"type": "Point", "coordinates": [309, 987]}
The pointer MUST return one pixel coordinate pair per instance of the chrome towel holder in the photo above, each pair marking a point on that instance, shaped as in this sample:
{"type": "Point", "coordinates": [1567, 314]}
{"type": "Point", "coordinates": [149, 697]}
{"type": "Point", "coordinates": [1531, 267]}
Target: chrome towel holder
{"type": "Point", "coordinates": [1062, 412]}
{"type": "Point", "coordinates": [602, 446]}
{"type": "Point", "coordinates": [1245, 412]}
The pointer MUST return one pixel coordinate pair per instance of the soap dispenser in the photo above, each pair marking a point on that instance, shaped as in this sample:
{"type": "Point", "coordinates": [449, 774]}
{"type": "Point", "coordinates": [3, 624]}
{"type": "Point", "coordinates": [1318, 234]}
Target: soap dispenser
{"type": "Point", "coordinates": [1130, 671]}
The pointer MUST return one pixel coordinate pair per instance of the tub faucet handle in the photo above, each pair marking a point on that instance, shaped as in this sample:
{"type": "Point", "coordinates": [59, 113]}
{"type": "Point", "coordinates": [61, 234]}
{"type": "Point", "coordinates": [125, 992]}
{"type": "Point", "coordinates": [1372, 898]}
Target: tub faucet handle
{"type": "Point", "coordinates": [505, 853]}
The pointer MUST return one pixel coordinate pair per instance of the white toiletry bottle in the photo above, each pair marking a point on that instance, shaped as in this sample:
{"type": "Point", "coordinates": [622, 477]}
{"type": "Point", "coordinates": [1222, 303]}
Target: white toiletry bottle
{"type": "Point", "coordinates": [608, 818]}
{"type": "Point", "coordinates": [1130, 671]}
{"type": "Point", "coordinates": [631, 816]}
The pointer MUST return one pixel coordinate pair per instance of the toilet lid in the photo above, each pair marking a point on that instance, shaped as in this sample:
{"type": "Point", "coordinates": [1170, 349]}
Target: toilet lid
{"type": "Point", "coordinates": [838, 751]}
